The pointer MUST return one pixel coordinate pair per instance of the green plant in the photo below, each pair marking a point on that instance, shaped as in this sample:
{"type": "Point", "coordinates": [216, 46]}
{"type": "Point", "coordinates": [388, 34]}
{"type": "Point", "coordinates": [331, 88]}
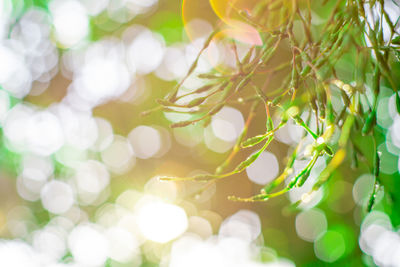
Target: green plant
{"type": "Point", "coordinates": [302, 86]}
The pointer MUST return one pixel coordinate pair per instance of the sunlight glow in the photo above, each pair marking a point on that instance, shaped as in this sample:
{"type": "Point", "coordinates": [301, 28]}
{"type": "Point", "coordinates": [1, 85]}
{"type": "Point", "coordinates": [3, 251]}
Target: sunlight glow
{"type": "Point", "coordinates": [161, 222]}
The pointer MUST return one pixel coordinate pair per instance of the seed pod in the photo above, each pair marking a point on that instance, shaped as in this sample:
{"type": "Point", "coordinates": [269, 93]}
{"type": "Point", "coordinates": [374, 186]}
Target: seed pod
{"type": "Point", "coordinates": [376, 81]}
{"type": "Point", "coordinates": [164, 102]}
{"type": "Point", "coordinates": [246, 163]}
{"type": "Point", "coordinates": [181, 124]}
{"type": "Point", "coordinates": [224, 85]}
{"type": "Point", "coordinates": [204, 88]}
{"type": "Point", "coordinates": [321, 101]}
{"type": "Point", "coordinates": [204, 177]}
{"type": "Point", "coordinates": [208, 76]}
{"type": "Point", "coordinates": [252, 141]}
{"type": "Point", "coordinates": [294, 82]}
{"type": "Point", "coordinates": [372, 198]}
{"type": "Point", "coordinates": [328, 150]}
{"type": "Point", "coordinates": [261, 94]}
{"type": "Point", "coordinates": [270, 124]}
{"type": "Point", "coordinates": [369, 123]}
{"type": "Point", "coordinates": [215, 109]}
{"type": "Point", "coordinates": [397, 102]}
{"type": "Point", "coordinates": [196, 102]}
{"type": "Point", "coordinates": [330, 118]}
{"type": "Point", "coordinates": [313, 104]}
{"type": "Point", "coordinates": [243, 83]}
{"type": "Point", "coordinates": [276, 100]}
{"type": "Point", "coordinates": [303, 178]}
{"type": "Point", "coordinates": [377, 165]}
{"type": "Point", "coordinates": [248, 55]}
{"type": "Point", "coordinates": [354, 156]}
{"type": "Point", "coordinates": [375, 190]}
{"type": "Point", "coordinates": [206, 121]}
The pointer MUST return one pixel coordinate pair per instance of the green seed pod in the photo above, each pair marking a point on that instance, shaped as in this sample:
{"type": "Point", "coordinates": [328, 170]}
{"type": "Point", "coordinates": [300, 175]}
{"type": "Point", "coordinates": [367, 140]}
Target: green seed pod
{"type": "Point", "coordinates": [376, 81]}
{"type": "Point", "coordinates": [215, 109]}
{"type": "Point", "coordinates": [204, 177]}
{"type": "Point", "coordinates": [321, 101]}
{"type": "Point", "coordinates": [330, 118]}
{"type": "Point", "coordinates": [294, 82]}
{"type": "Point", "coordinates": [397, 102]}
{"type": "Point", "coordinates": [354, 156]}
{"type": "Point", "coordinates": [247, 57]}
{"type": "Point", "coordinates": [196, 102]}
{"type": "Point", "coordinates": [252, 141]}
{"type": "Point", "coordinates": [313, 104]}
{"type": "Point", "coordinates": [376, 188]}
{"type": "Point", "coordinates": [208, 76]}
{"type": "Point", "coordinates": [206, 121]}
{"type": "Point", "coordinates": [328, 150]}
{"type": "Point", "coordinates": [204, 88]}
{"type": "Point", "coordinates": [243, 83]}
{"type": "Point", "coordinates": [377, 165]}
{"type": "Point", "coordinates": [246, 163]}
{"type": "Point", "coordinates": [372, 198]}
{"type": "Point", "coordinates": [260, 93]}
{"type": "Point", "coordinates": [270, 124]}
{"type": "Point", "coordinates": [369, 123]}
{"type": "Point", "coordinates": [306, 70]}
{"type": "Point", "coordinates": [224, 85]}
{"type": "Point", "coordinates": [276, 100]}
{"type": "Point", "coordinates": [303, 178]}
{"type": "Point", "coordinates": [250, 159]}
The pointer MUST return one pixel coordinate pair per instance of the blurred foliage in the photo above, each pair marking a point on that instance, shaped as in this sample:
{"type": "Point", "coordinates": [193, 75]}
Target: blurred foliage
{"type": "Point", "coordinates": [199, 91]}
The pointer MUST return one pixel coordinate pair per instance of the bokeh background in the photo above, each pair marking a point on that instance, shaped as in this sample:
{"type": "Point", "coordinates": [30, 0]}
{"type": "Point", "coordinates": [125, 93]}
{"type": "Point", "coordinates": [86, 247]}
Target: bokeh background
{"type": "Point", "coordinates": [79, 165]}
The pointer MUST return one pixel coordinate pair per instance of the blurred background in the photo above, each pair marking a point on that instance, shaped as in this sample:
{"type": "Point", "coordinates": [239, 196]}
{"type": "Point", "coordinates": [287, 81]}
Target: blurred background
{"type": "Point", "coordinates": [79, 165]}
